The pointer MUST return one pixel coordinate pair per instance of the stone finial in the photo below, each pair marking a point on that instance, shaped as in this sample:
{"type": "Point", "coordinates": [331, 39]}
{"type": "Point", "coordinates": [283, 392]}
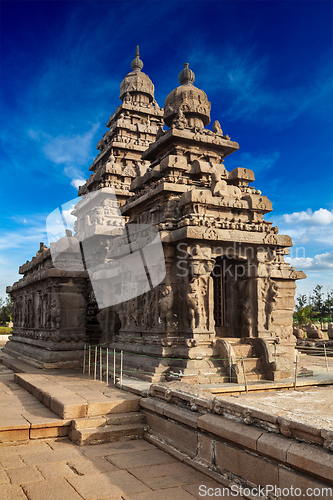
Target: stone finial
{"type": "Point", "coordinates": [186, 76]}
{"type": "Point", "coordinates": [137, 64]}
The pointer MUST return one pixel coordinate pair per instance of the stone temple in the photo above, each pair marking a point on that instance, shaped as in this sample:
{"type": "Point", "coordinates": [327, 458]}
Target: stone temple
{"type": "Point", "coordinates": [171, 260]}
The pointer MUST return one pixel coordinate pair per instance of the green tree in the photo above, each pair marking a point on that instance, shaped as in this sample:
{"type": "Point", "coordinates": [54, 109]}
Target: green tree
{"type": "Point", "coordinates": [5, 309]}
{"type": "Point", "coordinates": [303, 316]}
{"type": "Point", "coordinates": [317, 302]}
{"type": "Point", "coordinates": [328, 306]}
{"type": "Point", "coordinates": [301, 301]}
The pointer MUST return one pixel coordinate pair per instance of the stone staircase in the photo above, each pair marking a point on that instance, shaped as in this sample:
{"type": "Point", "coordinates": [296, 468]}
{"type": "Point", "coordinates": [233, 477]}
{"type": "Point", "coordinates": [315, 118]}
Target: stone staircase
{"type": "Point", "coordinates": [107, 428]}
{"type": "Point", "coordinates": [236, 348]}
{"type": "Point", "coordinates": [94, 412]}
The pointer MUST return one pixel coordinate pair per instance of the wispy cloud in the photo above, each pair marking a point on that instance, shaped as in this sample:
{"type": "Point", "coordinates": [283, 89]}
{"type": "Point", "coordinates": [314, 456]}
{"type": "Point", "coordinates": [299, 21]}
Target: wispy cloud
{"type": "Point", "coordinates": [320, 262]}
{"type": "Point", "coordinates": [76, 183]}
{"type": "Point", "coordinates": [242, 74]}
{"type": "Point", "coordinates": [308, 227]}
{"type": "Point", "coordinates": [257, 162]}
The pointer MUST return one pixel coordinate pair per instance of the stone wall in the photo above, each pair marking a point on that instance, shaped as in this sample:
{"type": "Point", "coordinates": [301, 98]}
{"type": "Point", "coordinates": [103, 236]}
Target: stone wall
{"type": "Point", "coordinates": [238, 444]}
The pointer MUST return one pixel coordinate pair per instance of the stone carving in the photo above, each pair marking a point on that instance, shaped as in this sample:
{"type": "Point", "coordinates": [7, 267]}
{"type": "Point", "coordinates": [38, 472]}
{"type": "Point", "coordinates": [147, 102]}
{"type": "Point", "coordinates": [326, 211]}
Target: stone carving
{"type": "Point", "coordinates": [166, 304]}
{"type": "Point", "coordinates": [217, 128]}
{"type": "Point", "coordinates": [298, 333]}
{"type": "Point", "coordinates": [197, 289]}
{"type": "Point", "coordinates": [219, 187]}
{"type": "Point", "coordinates": [55, 313]}
{"type": "Point", "coordinates": [180, 122]}
{"type": "Point", "coordinates": [269, 297]}
{"type": "Point", "coordinates": [313, 333]}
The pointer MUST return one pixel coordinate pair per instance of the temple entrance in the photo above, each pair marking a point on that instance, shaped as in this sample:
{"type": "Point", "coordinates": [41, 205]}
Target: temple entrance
{"type": "Point", "coordinates": [228, 297]}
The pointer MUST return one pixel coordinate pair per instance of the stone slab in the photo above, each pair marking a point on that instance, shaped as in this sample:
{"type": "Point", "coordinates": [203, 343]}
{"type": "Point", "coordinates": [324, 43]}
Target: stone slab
{"type": "Point", "coordinates": [165, 494]}
{"type": "Point", "coordinates": [51, 489]}
{"type": "Point", "coordinates": [140, 459]}
{"type": "Point", "coordinates": [94, 465]}
{"type": "Point", "coordinates": [25, 474]}
{"type": "Point", "coordinates": [242, 434]}
{"type": "Point", "coordinates": [121, 482]}
{"type": "Point", "coordinates": [12, 492]}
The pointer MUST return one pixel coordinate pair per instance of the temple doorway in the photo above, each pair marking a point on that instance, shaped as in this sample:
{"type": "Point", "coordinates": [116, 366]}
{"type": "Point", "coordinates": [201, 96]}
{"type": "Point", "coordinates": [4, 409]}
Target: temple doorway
{"type": "Point", "coordinates": [228, 297]}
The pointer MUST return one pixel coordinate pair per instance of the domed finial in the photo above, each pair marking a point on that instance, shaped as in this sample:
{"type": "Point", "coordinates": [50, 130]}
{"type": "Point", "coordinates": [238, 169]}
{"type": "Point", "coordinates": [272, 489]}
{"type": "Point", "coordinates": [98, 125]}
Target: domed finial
{"type": "Point", "coordinates": [186, 77]}
{"type": "Point", "coordinates": [137, 64]}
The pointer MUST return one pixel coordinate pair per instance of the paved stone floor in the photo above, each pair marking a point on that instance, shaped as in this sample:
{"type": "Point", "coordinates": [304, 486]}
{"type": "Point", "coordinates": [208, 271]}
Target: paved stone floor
{"type": "Point", "coordinates": [130, 470]}
{"type": "Point", "coordinates": [60, 470]}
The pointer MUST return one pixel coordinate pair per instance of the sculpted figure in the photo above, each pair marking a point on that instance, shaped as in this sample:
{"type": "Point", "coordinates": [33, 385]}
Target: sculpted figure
{"type": "Point", "coordinates": [166, 304]}
{"type": "Point", "coordinates": [180, 121]}
{"type": "Point", "coordinates": [298, 333]}
{"type": "Point", "coordinates": [313, 333]}
{"type": "Point", "coordinates": [194, 302]}
{"type": "Point", "coordinates": [219, 187]}
{"type": "Point", "coordinates": [217, 128]}
{"type": "Point", "coordinates": [55, 313]}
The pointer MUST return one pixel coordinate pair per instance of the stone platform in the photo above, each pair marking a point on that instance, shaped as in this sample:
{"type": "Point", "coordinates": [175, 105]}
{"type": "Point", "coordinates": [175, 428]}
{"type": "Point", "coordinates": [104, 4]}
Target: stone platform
{"type": "Point", "coordinates": [37, 463]}
{"type": "Point", "coordinates": [274, 438]}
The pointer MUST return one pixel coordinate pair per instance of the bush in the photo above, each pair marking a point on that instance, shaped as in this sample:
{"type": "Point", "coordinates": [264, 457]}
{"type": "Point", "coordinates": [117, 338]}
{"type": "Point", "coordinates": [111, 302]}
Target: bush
{"type": "Point", "coordinates": [5, 330]}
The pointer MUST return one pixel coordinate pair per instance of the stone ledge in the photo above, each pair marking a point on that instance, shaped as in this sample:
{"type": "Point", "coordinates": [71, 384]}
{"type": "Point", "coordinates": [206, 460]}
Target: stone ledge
{"type": "Point", "coordinates": [204, 437]}
{"type": "Point", "coordinates": [246, 436]}
{"type": "Point", "coordinates": [198, 400]}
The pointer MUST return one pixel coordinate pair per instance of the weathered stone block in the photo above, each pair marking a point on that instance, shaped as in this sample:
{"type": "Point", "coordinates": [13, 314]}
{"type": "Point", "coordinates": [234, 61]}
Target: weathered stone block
{"type": "Point", "coordinates": [244, 464]}
{"type": "Point", "coordinates": [242, 434]}
{"type": "Point", "coordinates": [273, 446]}
{"type": "Point", "coordinates": [289, 479]}
{"type": "Point", "coordinates": [205, 448]}
{"type": "Point", "coordinates": [182, 437]}
{"type": "Point", "coordinates": [311, 459]}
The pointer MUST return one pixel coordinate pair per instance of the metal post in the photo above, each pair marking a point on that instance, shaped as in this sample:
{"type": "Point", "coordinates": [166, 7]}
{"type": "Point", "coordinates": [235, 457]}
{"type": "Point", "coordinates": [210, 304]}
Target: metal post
{"type": "Point", "coordinates": [84, 359]}
{"type": "Point", "coordinates": [295, 383]}
{"type": "Point", "coordinates": [100, 365]}
{"type": "Point", "coordinates": [326, 357]}
{"type": "Point", "coordinates": [107, 366]}
{"type": "Point", "coordinates": [114, 366]}
{"type": "Point", "coordinates": [121, 368]}
{"type": "Point", "coordinates": [245, 381]}
{"type": "Point", "coordinates": [230, 364]}
{"type": "Point", "coordinates": [95, 368]}
{"type": "Point", "coordinates": [89, 360]}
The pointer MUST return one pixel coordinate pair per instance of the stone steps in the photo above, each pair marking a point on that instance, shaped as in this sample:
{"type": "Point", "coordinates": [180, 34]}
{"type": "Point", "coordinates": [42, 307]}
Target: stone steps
{"type": "Point", "coordinates": [107, 434]}
{"type": "Point", "coordinates": [108, 428]}
{"type": "Point", "coordinates": [96, 413]}
{"type": "Point", "coordinates": [82, 398]}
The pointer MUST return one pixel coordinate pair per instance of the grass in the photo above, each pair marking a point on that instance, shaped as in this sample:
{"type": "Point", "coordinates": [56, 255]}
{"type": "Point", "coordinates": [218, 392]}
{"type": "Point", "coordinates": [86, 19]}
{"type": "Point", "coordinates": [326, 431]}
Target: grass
{"type": "Point", "coordinates": [5, 330]}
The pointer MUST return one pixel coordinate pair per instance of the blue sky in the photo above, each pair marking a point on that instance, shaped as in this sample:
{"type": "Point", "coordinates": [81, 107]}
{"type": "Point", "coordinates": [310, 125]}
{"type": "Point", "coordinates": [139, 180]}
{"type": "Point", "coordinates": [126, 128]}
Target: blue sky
{"type": "Point", "coordinates": [266, 66]}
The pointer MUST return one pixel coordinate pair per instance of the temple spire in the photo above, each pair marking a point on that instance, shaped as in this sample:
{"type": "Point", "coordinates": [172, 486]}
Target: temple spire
{"type": "Point", "coordinates": [186, 76]}
{"type": "Point", "coordinates": [137, 64]}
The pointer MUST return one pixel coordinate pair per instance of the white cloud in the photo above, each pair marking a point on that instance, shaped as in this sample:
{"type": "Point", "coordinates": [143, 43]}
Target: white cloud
{"type": "Point", "coordinates": [321, 217]}
{"type": "Point", "coordinates": [70, 150]}
{"type": "Point", "coordinates": [77, 183]}
{"type": "Point", "coordinates": [319, 262]}
{"type": "Point", "coordinates": [310, 228]}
